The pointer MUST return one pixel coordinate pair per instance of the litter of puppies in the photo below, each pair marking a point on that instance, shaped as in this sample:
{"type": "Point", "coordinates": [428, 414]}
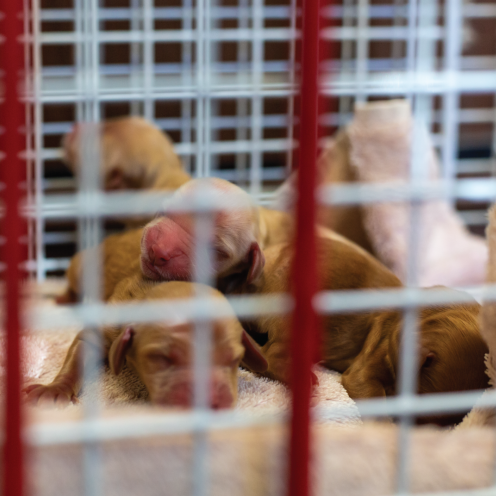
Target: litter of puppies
{"type": "Point", "coordinates": [251, 253]}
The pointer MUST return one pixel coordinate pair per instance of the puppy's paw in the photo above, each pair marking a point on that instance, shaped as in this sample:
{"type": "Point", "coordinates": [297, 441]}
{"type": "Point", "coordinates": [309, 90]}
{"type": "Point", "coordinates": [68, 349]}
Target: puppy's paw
{"type": "Point", "coordinates": [50, 395]}
{"type": "Point", "coordinates": [66, 298]}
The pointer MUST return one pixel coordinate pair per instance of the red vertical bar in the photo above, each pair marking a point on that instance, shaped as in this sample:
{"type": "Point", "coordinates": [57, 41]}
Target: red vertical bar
{"type": "Point", "coordinates": [13, 174]}
{"type": "Point", "coordinates": [304, 270]}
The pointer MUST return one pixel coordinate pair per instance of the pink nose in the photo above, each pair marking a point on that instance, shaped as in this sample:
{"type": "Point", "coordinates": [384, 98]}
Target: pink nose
{"type": "Point", "coordinates": [182, 395]}
{"type": "Point", "coordinates": [158, 255]}
{"type": "Point", "coordinates": [221, 397]}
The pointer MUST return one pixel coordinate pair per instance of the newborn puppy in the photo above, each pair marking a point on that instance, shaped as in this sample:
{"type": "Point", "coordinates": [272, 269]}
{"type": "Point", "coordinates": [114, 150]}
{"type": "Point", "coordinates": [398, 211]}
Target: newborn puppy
{"type": "Point", "coordinates": [134, 153]}
{"type": "Point", "coordinates": [168, 243]}
{"type": "Point", "coordinates": [364, 346]}
{"type": "Point", "coordinates": [333, 168]}
{"type": "Point", "coordinates": [451, 353]}
{"type": "Point", "coordinates": [165, 247]}
{"type": "Point", "coordinates": [160, 353]}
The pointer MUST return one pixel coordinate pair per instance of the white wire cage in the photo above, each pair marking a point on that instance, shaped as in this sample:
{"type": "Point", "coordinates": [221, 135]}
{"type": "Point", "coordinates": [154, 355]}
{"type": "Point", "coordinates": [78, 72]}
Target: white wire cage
{"type": "Point", "coordinates": [219, 78]}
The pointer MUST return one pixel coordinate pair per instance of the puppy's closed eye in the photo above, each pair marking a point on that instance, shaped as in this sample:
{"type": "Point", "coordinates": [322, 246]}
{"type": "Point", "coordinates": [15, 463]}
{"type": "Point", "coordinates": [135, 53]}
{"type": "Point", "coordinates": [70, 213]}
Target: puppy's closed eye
{"type": "Point", "coordinates": [221, 255]}
{"type": "Point", "coordinates": [159, 361]}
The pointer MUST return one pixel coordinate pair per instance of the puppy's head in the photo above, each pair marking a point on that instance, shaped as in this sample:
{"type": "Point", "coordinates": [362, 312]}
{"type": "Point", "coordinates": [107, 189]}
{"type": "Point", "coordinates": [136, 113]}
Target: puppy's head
{"type": "Point", "coordinates": [451, 355]}
{"type": "Point", "coordinates": [451, 350]}
{"type": "Point", "coordinates": [162, 355]}
{"type": "Point", "coordinates": [168, 242]}
{"type": "Point", "coordinates": [132, 152]}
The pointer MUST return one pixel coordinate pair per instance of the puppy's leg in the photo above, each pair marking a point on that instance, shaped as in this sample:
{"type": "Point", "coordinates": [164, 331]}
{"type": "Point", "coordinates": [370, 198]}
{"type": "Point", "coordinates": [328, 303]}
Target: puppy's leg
{"type": "Point", "coordinates": [359, 385]}
{"type": "Point", "coordinates": [67, 297]}
{"type": "Point", "coordinates": [368, 375]}
{"type": "Point", "coordinates": [278, 356]}
{"type": "Point", "coordinates": [67, 383]}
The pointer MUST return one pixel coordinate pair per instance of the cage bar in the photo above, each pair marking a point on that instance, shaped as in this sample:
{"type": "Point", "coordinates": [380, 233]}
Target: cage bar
{"type": "Point", "coordinates": [305, 273]}
{"type": "Point", "coordinates": [14, 251]}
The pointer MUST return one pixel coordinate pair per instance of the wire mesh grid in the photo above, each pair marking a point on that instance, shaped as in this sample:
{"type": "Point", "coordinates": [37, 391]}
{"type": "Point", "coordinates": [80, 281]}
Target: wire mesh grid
{"type": "Point", "coordinates": [221, 87]}
{"type": "Point", "coordinates": [219, 78]}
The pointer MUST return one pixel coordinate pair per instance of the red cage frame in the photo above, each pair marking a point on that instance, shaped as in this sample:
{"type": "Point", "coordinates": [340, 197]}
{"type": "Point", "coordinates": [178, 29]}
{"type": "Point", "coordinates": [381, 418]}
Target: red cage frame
{"type": "Point", "coordinates": [305, 267]}
{"type": "Point", "coordinates": [13, 175]}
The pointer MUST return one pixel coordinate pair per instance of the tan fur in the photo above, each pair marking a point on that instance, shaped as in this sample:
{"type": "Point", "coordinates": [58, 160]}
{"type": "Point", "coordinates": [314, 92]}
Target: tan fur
{"type": "Point", "coordinates": [135, 154]}
{"type": "Point", "coordinates": [234, 234]}
{"type": "Point", "coordinates": [145, 159]}
{"type": "Point", "coordinates": [161, 353]}
{"type": "Point", "coordinates": [275, 227]}
{"type": "Point", "coordinates": [238, 236]}
{"type": "Point", "coordinates": [334, 166]}
{"type": "Point", "coordinates": [364, 346]}
{"type": "Point", "coordinates": [120, 259]}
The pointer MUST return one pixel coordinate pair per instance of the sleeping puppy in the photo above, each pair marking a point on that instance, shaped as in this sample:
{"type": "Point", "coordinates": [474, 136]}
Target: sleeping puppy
{"type": "Point", "coordinates": [364, 346]}
{"type": "Point", "coordinates": [333, 168]}
{"type": "Point", "coordinates": [165, 247]}
{"type": "Point", "coordinates": [160, 353]}
{"type": "Point", "coordinates": [240, 234]}
{"type": "Point", "coordinates": [451, 353]}
{"type": "Point", "coordinates": [134, 153]}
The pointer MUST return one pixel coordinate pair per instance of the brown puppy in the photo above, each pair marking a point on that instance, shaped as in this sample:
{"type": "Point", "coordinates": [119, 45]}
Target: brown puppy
{"type": "Point", "coordinates": [160, 353]}
{"type": "Point", "coordinates": [364, 346]}
{"type": "Point", "coordinates": [333, 168]}
{"type": "Point", "coordinates": [451, 352]}
{"type": "Point", "coordinates": [275, 227]}
{"type": "Point", "coordinates": [135, 154]}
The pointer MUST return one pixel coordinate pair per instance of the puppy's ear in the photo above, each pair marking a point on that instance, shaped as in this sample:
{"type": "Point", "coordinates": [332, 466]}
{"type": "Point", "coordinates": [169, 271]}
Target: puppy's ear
{"type": "Point", "coordinates": [251, 269]}
{"type": "Point", "coordinates": [371, 374]}
{"type": "Point", "coordinates": [119, 349]}
{"type": "Point", "coordinates": [362, 383]}
{"type": "Point", "coordinates": [115, 179]}
{"type": "Point", "coordinates": [256, 263]}
{"type": "Point", "coordinates": [253, 358]}
{"type": "Point", "coordinates": [426, 358]}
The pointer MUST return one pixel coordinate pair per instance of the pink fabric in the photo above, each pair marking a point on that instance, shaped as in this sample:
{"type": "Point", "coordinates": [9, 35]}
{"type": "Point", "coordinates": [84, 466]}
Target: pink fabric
{"type": "Point", "coordinates": [380, 136]}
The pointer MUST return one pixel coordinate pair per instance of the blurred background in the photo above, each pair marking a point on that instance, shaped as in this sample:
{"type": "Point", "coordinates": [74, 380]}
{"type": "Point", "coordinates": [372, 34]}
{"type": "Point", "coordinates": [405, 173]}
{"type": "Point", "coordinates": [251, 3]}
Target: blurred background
{"type": "Point", "coordinates": [218, 77]}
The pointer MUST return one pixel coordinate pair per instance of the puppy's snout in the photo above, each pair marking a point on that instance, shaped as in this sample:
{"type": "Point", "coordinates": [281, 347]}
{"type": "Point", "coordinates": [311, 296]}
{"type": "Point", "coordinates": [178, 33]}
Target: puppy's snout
{"type": "Point", "coordinates": [221, 396]}
{"type": "Point", "coordinates": [181, 393]}
{"type": "Point", "coordinates": [158, 256]}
